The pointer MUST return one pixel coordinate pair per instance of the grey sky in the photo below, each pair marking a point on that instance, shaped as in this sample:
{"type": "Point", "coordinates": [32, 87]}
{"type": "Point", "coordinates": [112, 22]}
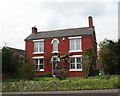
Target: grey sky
{"type": "Point", "coordinates": [18, 16]}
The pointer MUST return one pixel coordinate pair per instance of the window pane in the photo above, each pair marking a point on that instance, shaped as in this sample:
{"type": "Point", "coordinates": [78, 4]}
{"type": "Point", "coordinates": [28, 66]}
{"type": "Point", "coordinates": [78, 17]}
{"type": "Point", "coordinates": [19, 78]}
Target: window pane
{"type": "Point", "coordinates": [72, 44]}
{"type": "Point", "coordinates": [72, 60]}
{"type": "Point", "coordinates": [72, 63]}
{"type": "Point", "coordinates": [35, 46]}
{"type": "Point", "coordinates": [77, 44]}
{"type": "Point", "coordinates": [36, 63]}
{"type": "Point", "coordinates": [78, 66]}
{"type": "Point", "coordinates": [41, 61]}
{"type": "Point", "coordinates": [78, 60]}
{"type": "Point", "coordinates": [72, 66]}
{"type": "Point", "coordinates": [41, 46]}
{"type": "Point", "coordinates": [55, 45]}
{"type": "Point", "coordinates": [41, 66]}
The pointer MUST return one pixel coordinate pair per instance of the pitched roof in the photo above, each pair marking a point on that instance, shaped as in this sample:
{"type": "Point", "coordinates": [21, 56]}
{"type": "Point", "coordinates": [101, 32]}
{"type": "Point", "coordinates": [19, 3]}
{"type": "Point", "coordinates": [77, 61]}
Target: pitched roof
{"type": "Point", "coordinates": [17, 52]}
{"type": "Point", "coordinates": [61, 33]}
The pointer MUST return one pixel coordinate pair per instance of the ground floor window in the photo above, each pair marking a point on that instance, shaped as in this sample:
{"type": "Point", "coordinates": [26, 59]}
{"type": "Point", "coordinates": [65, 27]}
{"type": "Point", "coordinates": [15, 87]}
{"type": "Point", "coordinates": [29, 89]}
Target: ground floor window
{"type": "Point", "coordinates": [75, 63]}
{"type": "Point", "coordinates": [39, 64]}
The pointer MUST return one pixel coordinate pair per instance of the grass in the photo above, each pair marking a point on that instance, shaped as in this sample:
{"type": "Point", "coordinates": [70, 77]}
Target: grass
{"type": "Point", "coordinates": [54, 84]}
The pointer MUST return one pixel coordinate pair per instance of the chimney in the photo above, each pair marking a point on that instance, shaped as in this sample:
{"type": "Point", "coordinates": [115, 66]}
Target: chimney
{"type": "Point", "coordinates": [90, 20]}
{"type": "Point", "coordinates": [34, 30]}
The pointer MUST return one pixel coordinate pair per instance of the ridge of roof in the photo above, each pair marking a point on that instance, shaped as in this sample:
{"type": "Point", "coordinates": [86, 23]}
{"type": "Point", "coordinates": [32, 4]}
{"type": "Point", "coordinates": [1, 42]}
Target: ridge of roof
{"type": "Point", "coordinates": [61, 33]}
{"type": "Point", "coordinates": [62, 29]}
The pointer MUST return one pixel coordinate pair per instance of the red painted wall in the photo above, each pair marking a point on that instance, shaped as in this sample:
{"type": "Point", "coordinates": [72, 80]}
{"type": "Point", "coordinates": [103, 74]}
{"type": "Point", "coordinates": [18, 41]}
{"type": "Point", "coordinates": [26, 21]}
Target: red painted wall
{"type": "Point", "coordinates": [87, 42]}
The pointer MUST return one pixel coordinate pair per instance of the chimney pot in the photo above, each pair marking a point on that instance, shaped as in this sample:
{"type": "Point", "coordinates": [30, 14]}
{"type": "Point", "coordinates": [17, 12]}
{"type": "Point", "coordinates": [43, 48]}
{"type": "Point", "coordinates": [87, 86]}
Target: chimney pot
{"type": "Point", "coordinates": [34, 30]}
{"type": "Point", "coordinates": [90, 20]}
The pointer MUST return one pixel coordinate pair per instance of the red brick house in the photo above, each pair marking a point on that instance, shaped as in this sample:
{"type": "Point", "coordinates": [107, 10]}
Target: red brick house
{"type": "Point", "coordinates": [40, 45]}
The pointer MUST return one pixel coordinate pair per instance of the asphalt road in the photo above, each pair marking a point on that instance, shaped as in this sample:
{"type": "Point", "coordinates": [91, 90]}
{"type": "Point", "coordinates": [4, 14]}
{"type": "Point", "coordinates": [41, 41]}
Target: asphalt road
{"type": "Point", "coordinates": [111, 92]}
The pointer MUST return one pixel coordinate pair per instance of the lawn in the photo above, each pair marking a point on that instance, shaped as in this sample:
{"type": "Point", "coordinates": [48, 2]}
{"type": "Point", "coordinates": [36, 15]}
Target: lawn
{"type": "Point", "coordinates": [54, 84]}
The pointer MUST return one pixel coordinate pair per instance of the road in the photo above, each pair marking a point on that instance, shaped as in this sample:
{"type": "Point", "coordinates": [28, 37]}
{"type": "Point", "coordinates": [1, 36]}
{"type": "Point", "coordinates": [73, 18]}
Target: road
{"type": "Point", "coordinates": [110, 92]}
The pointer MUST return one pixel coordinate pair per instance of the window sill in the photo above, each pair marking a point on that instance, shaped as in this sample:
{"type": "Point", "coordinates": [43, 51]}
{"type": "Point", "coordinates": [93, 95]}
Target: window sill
{"type": "Point", "coordinates": [75, 51]}
{"type": "Point", "coordinates": [75, 70]}
{"type": "Point", "coordinates": [55, 52]}
{"type": "Point", "coordinates": [38, 52]}
{"type": "Point", "coordinates": [39, 70]}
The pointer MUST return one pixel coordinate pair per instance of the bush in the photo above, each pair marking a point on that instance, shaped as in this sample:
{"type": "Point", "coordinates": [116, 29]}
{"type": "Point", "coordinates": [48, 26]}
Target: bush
{"type": "Point", "coordinates": [25, 70]}
{"type": "Point", "coordinates": [61, 74]}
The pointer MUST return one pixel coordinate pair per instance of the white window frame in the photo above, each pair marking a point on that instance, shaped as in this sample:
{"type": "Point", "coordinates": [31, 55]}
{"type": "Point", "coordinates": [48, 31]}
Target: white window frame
{"type": "Point", "coordinates": [55, 39]}
{"type": "Point", "coordinates": [38, 41]}
{"type": "Point", "coordinates": [76, 56]}
{"type": "Point", "coordinates": [78, 37]}
{"type": "Point", "coordinates": [39, 57]}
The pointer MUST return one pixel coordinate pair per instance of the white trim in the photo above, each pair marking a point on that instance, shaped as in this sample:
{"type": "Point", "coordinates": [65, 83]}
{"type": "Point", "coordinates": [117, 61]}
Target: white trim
{"type": "Point", "coordinates": [55, 52]}
{"type": "Point", "coordinates": [75, 70]}
{"type": "Point", "coordinates": [63, 38]}
{"type": "Point", "coordinates": [75, 37]}
{"type": "Point", "coordinates": [38, 57]}
{"type": "Point", "coordinates": [76, 56]}
{"type": "Point", "coordinates": [38, 52]}
{"type": "Point", "coordinates": [54, 40]}
{"type": "Point", "coordinates": [38, 40]}
{"type": "Point", "coordinates": [42, 70]}
{"type": "Point", "coordinates": [75, 51]}
{"type": "Point", "coordinates": [53, 57]}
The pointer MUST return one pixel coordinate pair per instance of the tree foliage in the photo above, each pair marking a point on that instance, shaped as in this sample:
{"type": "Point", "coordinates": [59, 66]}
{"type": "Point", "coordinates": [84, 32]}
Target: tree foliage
{"type": "Point", "coordinates": [64, 58]}
{"type": "Point", "coordinates": [8, 61]}
{"type": "Point", "coordinates": [25, 70]}
{"type": "Point", "coordinates": [109, 56]}
{"type": "Point", "coordinates": [89, 59]}
{"type": "Point", "coordinates": [16, 67]}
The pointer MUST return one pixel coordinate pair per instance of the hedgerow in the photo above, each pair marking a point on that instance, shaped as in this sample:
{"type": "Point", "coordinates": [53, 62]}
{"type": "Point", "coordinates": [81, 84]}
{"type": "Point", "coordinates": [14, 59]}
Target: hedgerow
{"type": "Point", "coordinates": [61, 85]}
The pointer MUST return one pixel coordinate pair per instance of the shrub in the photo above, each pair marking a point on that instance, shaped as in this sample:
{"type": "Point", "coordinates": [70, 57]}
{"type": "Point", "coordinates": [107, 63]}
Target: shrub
{"type": "Point", "coordinates": [25, 70]}
{"type": "Point", "coordinates": [53, 84]}
{"type": "Point", "coordinates": [61, 74]}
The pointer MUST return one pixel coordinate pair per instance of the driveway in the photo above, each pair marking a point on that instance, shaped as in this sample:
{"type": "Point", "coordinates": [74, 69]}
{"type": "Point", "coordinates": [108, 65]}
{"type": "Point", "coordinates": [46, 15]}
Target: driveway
{"type": "Point", "coordinates": [110, 92]}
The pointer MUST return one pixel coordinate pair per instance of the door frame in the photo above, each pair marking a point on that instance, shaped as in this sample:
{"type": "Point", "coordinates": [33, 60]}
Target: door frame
{"type": "Point", "coordinates": [52, 64]}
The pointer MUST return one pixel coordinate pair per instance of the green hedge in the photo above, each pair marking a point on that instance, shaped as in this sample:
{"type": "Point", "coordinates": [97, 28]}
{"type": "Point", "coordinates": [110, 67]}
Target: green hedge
{"type": "Point", "coordinates": [61, 85]}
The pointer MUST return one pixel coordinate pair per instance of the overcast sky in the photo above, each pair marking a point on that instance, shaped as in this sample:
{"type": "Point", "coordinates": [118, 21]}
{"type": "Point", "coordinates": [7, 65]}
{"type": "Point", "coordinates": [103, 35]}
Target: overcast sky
{"type": "Point", "coordinates": [18, 16]}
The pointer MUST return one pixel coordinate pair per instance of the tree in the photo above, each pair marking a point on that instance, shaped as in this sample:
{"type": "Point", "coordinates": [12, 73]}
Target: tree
{"type": "Point", "coordinates": [25, 70]}
{"type": "Point", "coordinates": [16, 67]}
{"type": "Point", "coordinates": [8, 62]}
{"type": "Point", "coordinates": [117, 52]}
{"type": "Point", "coordinates": [89, 59]}
{"type": "Point", "coordinates": [64, 60]}
{"type": "Point", "coordinates": [108, 56]}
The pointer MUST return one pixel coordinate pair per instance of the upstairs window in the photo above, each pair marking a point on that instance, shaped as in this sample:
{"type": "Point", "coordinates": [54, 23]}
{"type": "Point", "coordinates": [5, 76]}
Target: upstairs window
{"type": "Point", "coordinates": [55, 43]}
{"type": "Point", "coordinates": [38, 46]}
{"type": "Point", "coordinates": [75, 44]}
